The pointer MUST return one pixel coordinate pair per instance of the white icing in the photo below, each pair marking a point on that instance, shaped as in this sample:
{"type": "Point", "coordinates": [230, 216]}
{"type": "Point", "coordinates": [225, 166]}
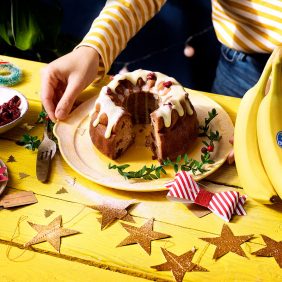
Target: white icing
{"type": "Point", "coordinates": [175, 95]}
{"type": "Point", "coordinates": [107, 106]}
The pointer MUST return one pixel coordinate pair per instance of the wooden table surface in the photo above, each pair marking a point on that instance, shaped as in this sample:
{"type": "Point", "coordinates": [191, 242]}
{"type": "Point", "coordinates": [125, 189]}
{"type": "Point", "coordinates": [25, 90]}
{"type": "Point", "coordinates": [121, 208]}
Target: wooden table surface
{"type": "Point", "coordinates": [92, 255]}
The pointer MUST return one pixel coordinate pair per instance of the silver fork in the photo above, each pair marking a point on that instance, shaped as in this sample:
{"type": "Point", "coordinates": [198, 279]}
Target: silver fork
{"type": "Point", "coordinates": [45, 154]}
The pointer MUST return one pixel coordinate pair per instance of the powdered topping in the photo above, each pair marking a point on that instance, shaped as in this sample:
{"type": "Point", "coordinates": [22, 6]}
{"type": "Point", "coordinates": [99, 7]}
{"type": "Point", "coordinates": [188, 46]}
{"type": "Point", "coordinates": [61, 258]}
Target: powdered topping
{"type": "Point", "coordinates": [166, 90]}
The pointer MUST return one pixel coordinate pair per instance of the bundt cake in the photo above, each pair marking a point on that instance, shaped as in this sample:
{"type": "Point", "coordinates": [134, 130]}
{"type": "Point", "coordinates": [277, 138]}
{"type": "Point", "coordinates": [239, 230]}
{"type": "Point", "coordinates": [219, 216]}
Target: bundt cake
{"type": "Point", "coordinates": [143, 97]}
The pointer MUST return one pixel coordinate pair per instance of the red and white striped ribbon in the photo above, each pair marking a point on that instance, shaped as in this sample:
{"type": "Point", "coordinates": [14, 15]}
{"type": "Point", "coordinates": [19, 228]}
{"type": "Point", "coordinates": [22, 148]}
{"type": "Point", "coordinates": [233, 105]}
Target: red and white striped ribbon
{"type": "Point", "coordinates": [224, 204]}
{"type": "Point", "coordinates": [2, 176]}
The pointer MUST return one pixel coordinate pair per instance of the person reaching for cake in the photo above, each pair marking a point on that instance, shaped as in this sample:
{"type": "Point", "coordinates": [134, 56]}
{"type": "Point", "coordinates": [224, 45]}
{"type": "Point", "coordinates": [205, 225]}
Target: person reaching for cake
{"type": "Point", "coordinates": [248, 30]}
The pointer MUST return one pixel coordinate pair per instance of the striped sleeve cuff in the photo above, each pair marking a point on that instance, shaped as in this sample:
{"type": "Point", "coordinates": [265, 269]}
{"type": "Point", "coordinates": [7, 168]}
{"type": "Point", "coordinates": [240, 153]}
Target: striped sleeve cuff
{"type": "Point", "coordinates": [117, 23]}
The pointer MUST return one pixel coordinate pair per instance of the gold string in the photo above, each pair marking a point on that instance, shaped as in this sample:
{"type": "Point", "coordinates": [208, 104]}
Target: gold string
{"type": "Point", "coordinates": [15, 235]}
{"type": "Point", "coordinates": [166, 242]}
{"type": "Point", "coordinates": [202, 253]}
{"type": "Point", "coordinates": [83, 208]}
{"type": "Point", "coordinates": [197, 263]}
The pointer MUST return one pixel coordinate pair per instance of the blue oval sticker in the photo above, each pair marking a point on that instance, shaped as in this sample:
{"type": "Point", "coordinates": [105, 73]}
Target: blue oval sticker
{"type": "Point", "coordinates": [279, 139]}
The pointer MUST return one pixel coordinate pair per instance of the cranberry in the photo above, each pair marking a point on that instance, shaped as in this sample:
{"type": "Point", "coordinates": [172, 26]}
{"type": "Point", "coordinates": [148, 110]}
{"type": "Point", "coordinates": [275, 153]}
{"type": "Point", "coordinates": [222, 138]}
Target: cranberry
{"type": "Point", "coordinates": [151, 76]}
{"type": "Point", "coordinates": [210, 148]}
{"type": "Point", "coordinates": [167, 84]}
{"type": "Point", "coordinates": [204, 150]}
{"type": "Point", "coordinates": [10, 111]}
{"type": "Point", "coordinates": [109, 91]}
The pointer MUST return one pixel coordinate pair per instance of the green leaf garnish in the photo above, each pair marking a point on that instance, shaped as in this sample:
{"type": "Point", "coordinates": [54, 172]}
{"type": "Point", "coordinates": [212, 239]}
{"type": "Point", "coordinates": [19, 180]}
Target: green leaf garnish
{"type": "Point", "coordinates": [181, 162]}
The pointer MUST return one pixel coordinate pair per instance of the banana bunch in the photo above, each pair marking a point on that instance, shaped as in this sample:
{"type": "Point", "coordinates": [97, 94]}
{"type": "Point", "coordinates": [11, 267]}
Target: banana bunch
{"type": "Point", "coordinates": [258, 136]}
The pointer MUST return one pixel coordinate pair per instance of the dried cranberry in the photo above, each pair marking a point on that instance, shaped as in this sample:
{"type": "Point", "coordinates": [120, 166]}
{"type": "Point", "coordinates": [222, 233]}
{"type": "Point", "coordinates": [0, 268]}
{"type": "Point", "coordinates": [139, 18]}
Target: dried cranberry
{"type": "Point", "coordinates": [167, 84]}
{"type": "Point", "coordinates": [10, 111]}
{"type": "Point", "coordinates": [151, 76]}
{"type": "Point", "coordinates": [204, 150]}
{"type": "Point", "coordinates": [109, 91]}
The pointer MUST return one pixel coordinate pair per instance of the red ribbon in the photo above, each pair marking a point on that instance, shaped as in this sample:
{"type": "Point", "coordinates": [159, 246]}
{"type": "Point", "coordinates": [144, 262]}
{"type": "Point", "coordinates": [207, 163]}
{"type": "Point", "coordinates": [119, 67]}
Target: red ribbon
{"type": "Point", "coordinates": [224, 204]}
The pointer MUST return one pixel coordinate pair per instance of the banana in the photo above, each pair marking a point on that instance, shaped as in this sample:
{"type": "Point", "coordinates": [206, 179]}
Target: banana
{"type": "Point", "coordinates": [269, 126]}
{"type": "Point", "coordinates": [249, 165]}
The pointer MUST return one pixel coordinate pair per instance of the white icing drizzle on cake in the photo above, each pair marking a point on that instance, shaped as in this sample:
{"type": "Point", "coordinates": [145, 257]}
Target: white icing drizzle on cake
{"type": "Point", "coordinates": [167, 101]}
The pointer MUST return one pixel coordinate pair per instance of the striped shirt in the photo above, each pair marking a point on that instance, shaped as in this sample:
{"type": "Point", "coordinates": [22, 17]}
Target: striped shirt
{"type": "Point", "coordinates": [244, 25]}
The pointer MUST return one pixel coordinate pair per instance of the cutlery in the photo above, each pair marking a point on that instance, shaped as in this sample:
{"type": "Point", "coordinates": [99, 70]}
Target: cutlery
{"type": "Point", "coordinates": [45, 154]}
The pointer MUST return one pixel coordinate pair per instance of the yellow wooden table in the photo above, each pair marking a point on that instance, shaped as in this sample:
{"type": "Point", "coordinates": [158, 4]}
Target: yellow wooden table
{"type": "Point", "coordinates": [93, 255]}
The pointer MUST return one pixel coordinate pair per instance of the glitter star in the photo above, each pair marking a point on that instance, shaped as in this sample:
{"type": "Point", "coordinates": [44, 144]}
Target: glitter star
{"type": "Point", "coordinates": [51, 233]}
{"type": "Point", "coordinates": [272, 249]}
{"type": "Point", "coordinates": [179, 265]}
{"type": "Point", "coordinates": [227, 242]}
{"type": "Point", "coordinates": [142, 235]}
{"type": "Point", "coordinates": [113, 209]}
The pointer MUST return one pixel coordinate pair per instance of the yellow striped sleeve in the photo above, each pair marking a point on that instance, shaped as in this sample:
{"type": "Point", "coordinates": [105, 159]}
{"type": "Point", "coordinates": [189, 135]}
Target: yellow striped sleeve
{"type": "Point", "coordinates": [248, 25]}
{"type": "Point", "coordinates": [119, 21]}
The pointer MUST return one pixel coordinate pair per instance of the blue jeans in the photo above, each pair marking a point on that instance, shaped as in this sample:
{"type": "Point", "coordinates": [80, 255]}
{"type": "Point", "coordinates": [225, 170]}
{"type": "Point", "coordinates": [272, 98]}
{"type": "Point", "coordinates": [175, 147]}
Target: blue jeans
{"type": "Point", "coordinates": [237, 72]}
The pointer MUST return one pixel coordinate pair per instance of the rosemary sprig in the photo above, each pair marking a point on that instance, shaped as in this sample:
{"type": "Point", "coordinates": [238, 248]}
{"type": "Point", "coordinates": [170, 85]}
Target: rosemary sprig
{"type": "Point", "coordinates": [213, 136]}
{"type": "Point", "coordinates": [182, 162]}
{"type": "Point", "coordinates": [204, 128]}
{"type": "Point", "coordinates": [147, 173]}
{"type": "Point", "coordinates": [186, 164]}
{"type": "Point", "coordinates": [30, 142]}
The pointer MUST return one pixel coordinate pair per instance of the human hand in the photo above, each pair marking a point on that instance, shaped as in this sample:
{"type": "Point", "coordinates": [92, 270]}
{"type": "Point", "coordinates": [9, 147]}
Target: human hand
{"type": "Point", "coordinates": [65, 78]}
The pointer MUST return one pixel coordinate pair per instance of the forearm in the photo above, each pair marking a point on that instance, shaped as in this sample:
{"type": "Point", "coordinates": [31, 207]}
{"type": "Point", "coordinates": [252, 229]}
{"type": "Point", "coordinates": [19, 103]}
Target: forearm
{"type": "Point", "coordinates": [119, 21]}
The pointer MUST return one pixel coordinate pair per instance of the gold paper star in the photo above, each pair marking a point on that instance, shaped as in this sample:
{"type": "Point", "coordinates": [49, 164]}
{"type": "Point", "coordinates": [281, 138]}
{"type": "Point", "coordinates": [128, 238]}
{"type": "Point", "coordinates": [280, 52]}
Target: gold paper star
{"type": "Point", "coordinates": [272, 249]}
{"type": "Point", "coordinates": [227, 242]}
{"type": "Point", "coordinates": [179, 265]}
{"type": "Point", "coordinates": [142, 235]}
{"type": "Point", "coordinates": [51, 233]}
{"type": "Point", "coordinates": [112, 210]}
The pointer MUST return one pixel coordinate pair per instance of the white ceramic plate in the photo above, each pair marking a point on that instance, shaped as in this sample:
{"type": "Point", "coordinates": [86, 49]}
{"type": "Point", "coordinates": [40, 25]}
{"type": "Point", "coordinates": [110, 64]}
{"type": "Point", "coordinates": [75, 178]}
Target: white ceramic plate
{"type": "Point", "coordinates": [79, 152]}
{"type": "Point", "coordinates": [5, 95]}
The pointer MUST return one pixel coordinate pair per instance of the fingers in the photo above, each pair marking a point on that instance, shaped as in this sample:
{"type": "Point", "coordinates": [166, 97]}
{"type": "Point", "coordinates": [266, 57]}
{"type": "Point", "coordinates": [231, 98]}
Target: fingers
{"type": "Point", "coordinates": [65, 104]}
{"type": "Point", "coordinates": [47, 94]}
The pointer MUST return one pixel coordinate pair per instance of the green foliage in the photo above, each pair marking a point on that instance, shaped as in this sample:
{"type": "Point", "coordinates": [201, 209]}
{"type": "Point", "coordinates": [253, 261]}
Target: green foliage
{"type": "Point", "coordinates": [182, 162]}
{"type": "Point", "coordinates": [147, 173]}
{"type": "Point", "coordinates": [30, 25]}
{"type": "Point", "coordinates": [30, 142]}
{"type": "Point", "coordinates": [43, 118]}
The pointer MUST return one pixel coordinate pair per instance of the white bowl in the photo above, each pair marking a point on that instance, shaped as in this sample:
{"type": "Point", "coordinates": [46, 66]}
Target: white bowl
{"type": "Point", "coordinates": [5, 95]}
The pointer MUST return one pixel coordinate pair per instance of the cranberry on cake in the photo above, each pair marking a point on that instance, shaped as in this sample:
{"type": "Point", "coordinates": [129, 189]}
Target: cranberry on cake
{"type": "Point", "coordinates": [144, 97]}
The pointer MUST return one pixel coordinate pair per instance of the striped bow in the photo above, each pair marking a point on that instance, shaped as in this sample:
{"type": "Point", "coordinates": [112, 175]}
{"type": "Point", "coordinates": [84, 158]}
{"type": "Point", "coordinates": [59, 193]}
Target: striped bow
{"type": "Point", "coordinates": [224, 204]}
{"type": "Point", "coordinates": [2, 176]}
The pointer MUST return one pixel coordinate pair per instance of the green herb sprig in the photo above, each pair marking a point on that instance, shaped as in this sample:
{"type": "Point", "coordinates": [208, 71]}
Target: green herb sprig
{"type": "Point", "coordinates": [30, 142]}
{"type": "Point", "coordinates": [182, 162]}
{"type": "Point", "coordinates": [43, 118]}
{"type": "Point", "coordinates": [147, 173]}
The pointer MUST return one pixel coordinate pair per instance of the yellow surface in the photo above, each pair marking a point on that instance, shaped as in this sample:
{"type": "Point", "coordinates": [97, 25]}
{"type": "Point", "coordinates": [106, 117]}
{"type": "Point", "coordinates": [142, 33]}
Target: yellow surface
{"type": "Point", "coordinates": [85, 256]}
